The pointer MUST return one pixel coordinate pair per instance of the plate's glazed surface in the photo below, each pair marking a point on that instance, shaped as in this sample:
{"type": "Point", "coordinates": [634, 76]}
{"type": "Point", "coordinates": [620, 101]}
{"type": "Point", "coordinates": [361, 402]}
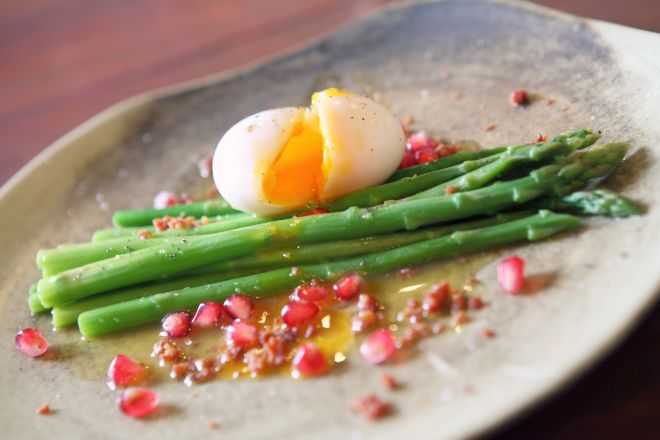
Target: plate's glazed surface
{"type": "Point", "coordinates": [604, 276]}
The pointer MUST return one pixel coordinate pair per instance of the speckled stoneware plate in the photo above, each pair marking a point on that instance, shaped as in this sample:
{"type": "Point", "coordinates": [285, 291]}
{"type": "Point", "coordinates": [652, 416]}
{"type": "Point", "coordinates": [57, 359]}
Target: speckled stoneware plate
{"type": "Point", "coordinates": [605, 275]}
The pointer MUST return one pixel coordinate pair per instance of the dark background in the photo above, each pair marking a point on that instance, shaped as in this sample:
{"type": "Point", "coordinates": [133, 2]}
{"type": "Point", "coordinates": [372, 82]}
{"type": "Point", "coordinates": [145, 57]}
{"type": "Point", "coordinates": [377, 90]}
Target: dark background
{"type": "Point", "coordinates": [62, 61]}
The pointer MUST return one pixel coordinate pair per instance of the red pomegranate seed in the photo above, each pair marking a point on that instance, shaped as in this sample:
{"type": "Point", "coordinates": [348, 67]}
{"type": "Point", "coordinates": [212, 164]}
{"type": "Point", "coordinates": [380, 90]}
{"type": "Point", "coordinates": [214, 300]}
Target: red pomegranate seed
{"type": "Point", "coordinates": [425, 156]}
{"type": "Point", "coordinates": [209, 314]}
{"type": "Point", "coordinates": [407, 160]}
{"type": "Point", "coordinates": [310, 292]}
{"type": "Point", "coordinates": [242, 333]}
{"type": "Point", "coordinates": [370, 407]}
{"type": "Point", "coordinates": [348, 286]}
{"type": "Point", "coordinates": [420, 141]}
{"type": "Point", "coordinates": [541, 138]}
{"type": "Point", "coordinates": [511, 274]}
{"type": "Point", "coordinates": [239, 306]}
{"type": "Point", "coordinates": [30, 342]}
{"type": "Point", "coordinates": [164, 199]}
{"type": "Point", "coordinates": [378, 347]}
{"type": "Point", "coordinates": [314, 211]}
{"type": "Point", "coordinates": [309, 360]}
{"type": "Point", "coordinates": [176, 324]}
{"type": "Point", "coordinates": [125, 371]}
{"type": "Point", "coordinates": [518, 97]}
{"type": "Point", "coordinates": [138, 402]}
{"type": "Point", "coordinates": [295, 313]}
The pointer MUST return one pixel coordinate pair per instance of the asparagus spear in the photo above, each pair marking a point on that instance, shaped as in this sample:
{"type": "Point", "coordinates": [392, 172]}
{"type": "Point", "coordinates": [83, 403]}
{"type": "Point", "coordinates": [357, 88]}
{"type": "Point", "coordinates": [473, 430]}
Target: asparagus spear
{"type": "Point", "coordinates": [183, 254]}
{"type": "Point", "coordinates": [474, 174]}
{"type": "Point", "coordinates": [34, 304]}
{"type": "Point", "coordinates": [596, 202]}
{"type": "Point", "coordinates": [150, 309]}
{"type": "Point", "coordinates": [143, 217]}
{"type": "Point", "coordinates": [457, 158]}
{"type": "Point", "coordinates": [271, 259]}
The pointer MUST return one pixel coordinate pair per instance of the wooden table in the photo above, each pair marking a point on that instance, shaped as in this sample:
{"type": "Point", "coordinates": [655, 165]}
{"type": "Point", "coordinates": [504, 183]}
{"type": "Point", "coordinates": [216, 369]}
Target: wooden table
{"type": "Point", "coordinates": [61, 61]}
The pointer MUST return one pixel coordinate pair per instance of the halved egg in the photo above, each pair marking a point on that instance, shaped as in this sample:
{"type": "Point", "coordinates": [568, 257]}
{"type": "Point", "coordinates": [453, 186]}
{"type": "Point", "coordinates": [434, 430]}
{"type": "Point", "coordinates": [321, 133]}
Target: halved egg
{"type": "Point", "coordinates": [280, 160]}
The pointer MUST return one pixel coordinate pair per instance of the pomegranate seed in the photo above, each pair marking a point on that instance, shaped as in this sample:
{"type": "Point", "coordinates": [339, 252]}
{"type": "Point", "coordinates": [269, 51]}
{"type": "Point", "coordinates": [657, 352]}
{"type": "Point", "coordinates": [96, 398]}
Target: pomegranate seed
{"type": "Point", "coordinates": [518, 97]}
{"type": "Point", "coordinates": [296, 313]}
{"type": "Point", "coordinates": [370, 407]}
{"type": "Point", "coordinates": [541, 137]}
{"type": "Point", "coordinates": [205, 166]}
{"type": "Point", "coordinates": [348, 286]}
{"type": "Point", "coordinates": [425, 156]}
{"type": "Point", "coordinates": [176, 325]}
{"type": "Point", "coordinates": [239, 306]}
{"type": "Point", "coordinates": [242, 333]}
{"type": "Point", "coordinates": [138, 402]}
{"type": "Point", "coordinates": [164, 199]}
{"type": "Point", "coordinates": [30, 342]}
{"type": "Point", "coordinates": [378, 347]}
{"type": "Point", "coordinates": [419, 141]}
{"type": "Point", "coordinates": [125, 371]}
{"type": "Point", "coordinates": [407, 160]}
{"type": "Point", "coordinates": [310, 292]}
{"type": "Point", "coordinates": [314, 211]}
{"type": "Point", "coordinates": [209, 314]}
{"type": "Point", "coordinates": [511, 274]}
{"type": "Point", "coordinates": [309, 360]}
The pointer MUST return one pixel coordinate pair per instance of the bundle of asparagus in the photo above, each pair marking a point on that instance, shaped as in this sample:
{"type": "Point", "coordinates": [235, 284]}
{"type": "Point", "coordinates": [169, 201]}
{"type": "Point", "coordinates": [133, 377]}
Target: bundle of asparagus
{"type": "Point", "coordinates": [443, 208]}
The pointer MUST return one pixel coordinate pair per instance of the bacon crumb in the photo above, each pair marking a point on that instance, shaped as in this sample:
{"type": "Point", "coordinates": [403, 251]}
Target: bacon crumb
{"type": "Point", "coordinates": [550, 101]}
{"type": "Point", "coordinates": [407, 120]}
{"type": "Point", "coordinates": [143, 234]}
{"type": "Point", "coordinates": [205, 166]}
{"type": "Point", "coordinates": [180, 222]}
{"type": "Point", "coordinates": [389, 382]}
{"type": "Point", "coordinates": [450, 190]}
{"type": "Point", "coordinates": [457, 95]}
{"type": "Point", "coordinates": [461, 318]}
{"type": "Point", "coordinates": [371, 407]}
{"type": "Point", "coordinates": [213, 425]}
{"type": "Point", "coordinates": [475, 303]}
{"type": "Point", "coordinates": [489, 127]}
{"type": "Point", "coordinates": [487, 333]}
{"type": "Point", "coordinates": [446, 74]}
{"type": "Point", "coordinates": [43, 409]}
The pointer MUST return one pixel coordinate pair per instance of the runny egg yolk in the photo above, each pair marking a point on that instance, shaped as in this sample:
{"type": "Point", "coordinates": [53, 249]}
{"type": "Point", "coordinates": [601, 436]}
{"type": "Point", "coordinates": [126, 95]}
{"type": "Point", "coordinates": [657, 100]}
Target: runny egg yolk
{"type": "Point", "coordinates": [296, 176]}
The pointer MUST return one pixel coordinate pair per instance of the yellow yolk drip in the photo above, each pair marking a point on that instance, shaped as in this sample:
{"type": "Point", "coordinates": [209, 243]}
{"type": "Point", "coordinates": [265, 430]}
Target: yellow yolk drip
{"type": "Point", "coordinates": [295, 176]}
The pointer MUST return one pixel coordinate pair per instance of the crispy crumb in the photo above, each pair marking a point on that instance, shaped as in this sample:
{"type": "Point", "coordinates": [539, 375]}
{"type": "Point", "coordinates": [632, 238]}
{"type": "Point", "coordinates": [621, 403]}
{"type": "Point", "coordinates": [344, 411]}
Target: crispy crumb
{"type": "Point", "coordinates": [487, 333]}
{"type": "Point", "coordinates": [489, 127]}
{"type": "Point", "coordinates": [446, 74]}
{"type": "Point", "coordinates": [144, 234]}
{"type": "Point", "coordinates": [407, 120]}
{"type": "Point", "coordinates": [213, 425]}
{"type": "Point", "coordinates": [389, 382]}
{"type": "Point", "coordinates": [457, 95]}
{"type": "Point", "coordinates": [370, 407]}
{"type": "Point", "coordinates": [450, 189]}
{"type": "Point", "coordinates": [43, 409]}
{"type": "Point", "coordinates": [550, 101]}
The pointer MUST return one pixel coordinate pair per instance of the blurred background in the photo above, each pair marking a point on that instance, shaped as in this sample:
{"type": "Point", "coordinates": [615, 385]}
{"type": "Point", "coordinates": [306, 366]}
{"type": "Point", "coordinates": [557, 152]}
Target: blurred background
{"type": "Point", "coordinates": [62, 61]}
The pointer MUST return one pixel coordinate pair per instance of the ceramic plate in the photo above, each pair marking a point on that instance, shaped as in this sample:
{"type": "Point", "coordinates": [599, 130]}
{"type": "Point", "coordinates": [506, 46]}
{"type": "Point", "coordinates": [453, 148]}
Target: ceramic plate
{"type": "Point", "coordinates": [604, 276]}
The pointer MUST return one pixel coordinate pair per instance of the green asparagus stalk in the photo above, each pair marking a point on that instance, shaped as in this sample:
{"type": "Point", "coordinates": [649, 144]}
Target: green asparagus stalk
{"type": "Point", "coordinates": [596, 202]}
{"type": "Point", "coordinates": [460, 157]}
{"type": "Point", "coordinates": [474, 174]}
{"type": "Point", "coordinates": [144, 217]}
{"type": "Point", "coordinates": [34, 304]}
{"type": "Point", "coordinates": [272, 259]}
{"type": "Point", "coordinates": [153, 308]}
{"type": "Point", "coordinates": [184, 254]}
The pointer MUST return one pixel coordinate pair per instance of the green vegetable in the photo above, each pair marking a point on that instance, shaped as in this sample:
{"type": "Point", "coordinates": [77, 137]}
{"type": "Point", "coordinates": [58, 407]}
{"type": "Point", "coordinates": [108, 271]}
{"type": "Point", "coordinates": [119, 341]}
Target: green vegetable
{"type": "Point", "coordinates": [271, 259]}
{"type": "Point", "coordinates": [144, 217]}
{"type": "Point", "coordinates": [185, 254]}
{"type": "Point", "coordinates": [153, 308]}
{"type": "Point", "coordinates": [596, 202]}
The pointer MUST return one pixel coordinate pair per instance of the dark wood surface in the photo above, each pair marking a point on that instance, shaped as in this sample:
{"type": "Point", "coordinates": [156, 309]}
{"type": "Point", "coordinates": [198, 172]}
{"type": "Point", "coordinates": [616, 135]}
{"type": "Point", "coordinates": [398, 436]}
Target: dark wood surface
{"type": "Point", "coordinates": [62, 61]}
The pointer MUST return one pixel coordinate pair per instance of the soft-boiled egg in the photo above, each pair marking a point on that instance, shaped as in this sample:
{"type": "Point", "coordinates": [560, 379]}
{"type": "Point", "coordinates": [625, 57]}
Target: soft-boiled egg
{"type": "Point", "coordinates": [280, 160]}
